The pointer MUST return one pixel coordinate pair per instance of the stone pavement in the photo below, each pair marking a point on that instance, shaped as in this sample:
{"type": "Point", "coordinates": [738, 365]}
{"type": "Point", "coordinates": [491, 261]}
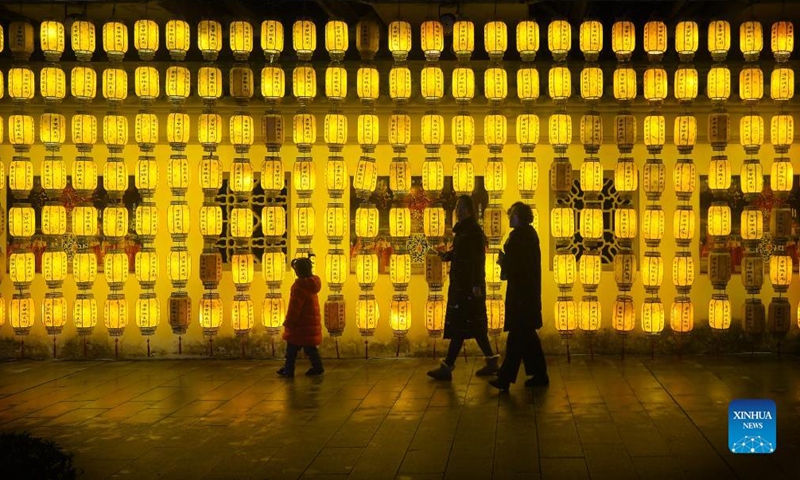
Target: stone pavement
{"type": "Point", "coordinates": [662, 418]}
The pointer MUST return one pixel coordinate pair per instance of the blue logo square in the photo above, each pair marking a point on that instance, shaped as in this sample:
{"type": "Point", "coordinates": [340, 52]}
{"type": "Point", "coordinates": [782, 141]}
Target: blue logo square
{"type": "Point", "coordinates": [752, 426]}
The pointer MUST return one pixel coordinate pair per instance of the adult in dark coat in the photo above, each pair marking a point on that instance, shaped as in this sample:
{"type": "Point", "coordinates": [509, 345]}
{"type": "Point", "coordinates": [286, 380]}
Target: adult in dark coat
{"type": "Point", "coordinates": [466, 298]}
{"type": "Point", "coordinates": [521, 266]}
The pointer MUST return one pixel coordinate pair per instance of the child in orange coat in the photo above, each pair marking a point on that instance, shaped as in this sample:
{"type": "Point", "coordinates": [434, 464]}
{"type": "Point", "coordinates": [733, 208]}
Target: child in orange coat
{"type": "Point", "coordinates": [302, 327]}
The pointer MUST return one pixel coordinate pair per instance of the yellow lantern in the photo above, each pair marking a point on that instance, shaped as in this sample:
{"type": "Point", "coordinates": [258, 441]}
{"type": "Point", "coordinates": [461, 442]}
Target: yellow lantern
{"type": "Point", "coordinates": [527, 40]}
{"type": "Point", "coordinates": [432, 39]}
{"type": "Point", "coordinates": [719, 312]}
{"type": "Point", "coordinates": [527, 131]}
{"type": "Point", "coordinates": [782, 132]}
{"type": "Point", "coordinates": [752, 222]}
{"type": "Point", "coordinates": [685, 84]}
{"type": "Point", "coordinates": [566, 316]}
{"type": "Point", "coordinates": [623, 317]}
{"type": "Point", "coordinates": [780, 271]}
{"type": "Point", "coordinates": [209, 130]}
{"type": "Point", "coordinates": [21, 222]}
{"type": "Point", "coordinates": [366, 268]}
{"type": "Point", "coordinates": [179, 126]}
{"type": "Point", "coordinates": [464, 39]}
{"type": "Point", "coordinates": [683, 272]}
{"type": "Point", "coordinates": [21, 314]}
{"type": "Point", "coordinates": [241, 131]}
{"type": "Point", "coordinates": [752, 178]}
{"type": "Point", "coordinates": [685, 133]}
{"type": "Point", "coordinates": [463, 177]}
{"type": "Point", "coordinates": [210, 313]}
{"type": "Point", "coordinates": [564, 268]}
{"type": "Point", "coordinates": [495, 128]}
{"type": "Point", "coordinates": [83, 83]}
{"type": "Point", "coordinates": [655, 84]}
{"type": "Point", "coordinates": [625, 84]}
{"type": "Point", "coordinates": [431, 83]}
{"type": "Point", "coordinates": [335, 223]}
{"type": "Point", "coordinates": [21, 133]}
{"type": "Point", "coordinates": [463, 132]}
{"type": "Point", "coordinates": [84, 130]}
{"type": "Point", "coordinates": [495, 84]}
{"type": "Point", "coordinates": [527, 84]}
{"type": "Point", "coordinates": [782, 84]}
{"type": "Point", "coordinates": [367, 314]}
{"type": "Point", "coordinates": [562, 222]}
{"type": "Point", "coordinates": [654, 132]}
{"type": "Point", "coordinates": [273, 83]}
{"type": "Point", "coordinates": [145, 39]}
{"type": "Point", "coordinates": [399, 131]}
{"type": "Point", "coordinates": [681, 318]}
{"type": "Point", "coordinates": [623, 39]}
{"type": "Point", "coordinates": [591, 83]}
{"type": "Point", "coordinates": [560, 84]}
{"type": "Point", "coordinates": [241, 83]}
{"type": "Point", "coordinates": [683, 225]}
{"type": "Point", "coordinates": [53, 84]}
{"type": "Point", "coordinates": [115, 84]}
{"type": "Point", "coordinates": [368, 131]}
{"type": "Point", "coordinates": [559, 39]}
{"type": "Point", "coordinates": [368, 37]}
{"type": "Point", "coordinates": [272, 39]}
{"type": "Point", "coordinates": [590, 270]}
{"type": "Point", "coordinates": [51, 37]}
{"type": "Point", "coordinates": [719, 84]}
{"type": "Point", "coordinates": [625, 175]}
{"type": "Point", "coordinates": [304, 39]}
{"type": "Point", "coordinates": [209, 39]}
{"type": "Point", "coordinates": [495, 39]}
{"type": "Point", "coordinates": [751, 84]}
{"type": "Point", "coordinates": [751, 132]}
{"type": "Point", "coordinates": [52, 129]}
{"type": "Point", "coordinates": [655, 39]}
{"type": "Point", "coordinates": [432, 132]}
{"type": "Point", "coordinates": [147, 84]}
{"type": "Point", "coordinates": [653, 228]}
{"type": "Point", "coordinates": [589, 314]}
{"type": "Point", "coordinates": [367, 221]}
{"type": "Point", "coordinates": [335, 130]}
{"type": "Point", "coordinates": [434, 222]}
{"type": "Point", "coordinates": [751, 40]}
{"type": "Point", "coordinates": [241, 40]}
{"type": "Point", "coordinates": [719, 220]}
{"type": "Point", "coordinates": [400, 269]}
{"type": "Point", "coordinates": [147, 220]}
{"type": "Point", "coordinates": [336, 39]}
{"type": "Point", "coordinates": [624, 222]}
{"type": "Point", "coordinates": [591, 39]}
{"type": "Point", "coordinates": [591, 176]}
{"type": "Point", "coordinates": [686, 39]}
{"type": "Point", "coordinates": [209, 83]}
{"type": "Point", "coordinates": [115, 133]}
{"type": "Point", "coordinates": [83, 39]}
{"type": "Point", "coordinates": [719, 39]}
{"type": "Point", "coordinates": [178, 83]}
{"type": "Point", "coordinates": [782, 40]}
{"type": "Point", "coordinates": [652, 271]}
{"type": "Point", "coordinates": [781, 176]}
{"type": "Point", "coordinates": [335, 83]}
{"type": "Point", "coordinates": [115, 40]}
{"type": "Point", "coordinates": [146, 129]}
{"type": "Point", "coordinates": [592, 223]}
{"type": "Point", "coordinates": [368, 84]}
{"type": "Point", "coordinates": [20, 40]}
{"type": "Point", "coordinates": [719, 173]}
{"type": "Point", "coordinates": [178, 38]}
{"type": "Point", "coordinates": [400, 315]}
{"type": "Point", "coordinates": [400, 84]}
{"type": "Point", "coordinates": [21, 84]}
{"type": "Point", "coordinates": [399, 39]}
{"type": "Point", "coordinates": [652, 316]}
{"type": "Point", "coordinates": [463, 84]}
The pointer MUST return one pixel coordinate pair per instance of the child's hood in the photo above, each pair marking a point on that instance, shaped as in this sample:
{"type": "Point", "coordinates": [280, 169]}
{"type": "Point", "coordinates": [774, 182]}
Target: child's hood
{"type": "Point", "coordinates": [312, 283]}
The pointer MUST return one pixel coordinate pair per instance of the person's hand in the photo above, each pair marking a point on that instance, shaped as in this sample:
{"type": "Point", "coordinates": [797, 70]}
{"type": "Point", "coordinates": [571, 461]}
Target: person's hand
{"type": "Point", "coordinates": [477, 292]}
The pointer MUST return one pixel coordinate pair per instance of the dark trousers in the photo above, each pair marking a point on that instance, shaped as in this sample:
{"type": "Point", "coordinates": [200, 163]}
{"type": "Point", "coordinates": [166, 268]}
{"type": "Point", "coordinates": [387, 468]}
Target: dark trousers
{"type": "Point", "coordinates": [457, 342]}
{"type": "Point", "coordinates": [523, 346]}
{"type": "Point", "coordinates": [311, 352]}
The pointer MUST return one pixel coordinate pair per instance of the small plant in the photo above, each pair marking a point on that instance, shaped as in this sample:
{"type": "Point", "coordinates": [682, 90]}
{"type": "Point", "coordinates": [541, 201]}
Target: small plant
{"type": "Point", "coordinates": [23, 456]}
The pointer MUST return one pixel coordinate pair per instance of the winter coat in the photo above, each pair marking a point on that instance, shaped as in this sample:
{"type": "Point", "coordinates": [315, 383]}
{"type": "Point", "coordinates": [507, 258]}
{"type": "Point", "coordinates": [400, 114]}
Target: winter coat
{"type": "Point", "coordinates": [521, 266]}
{"type": "Point", "coordinates": [466, 314]}
{"type": "Point", "coordinates": [302, 326]}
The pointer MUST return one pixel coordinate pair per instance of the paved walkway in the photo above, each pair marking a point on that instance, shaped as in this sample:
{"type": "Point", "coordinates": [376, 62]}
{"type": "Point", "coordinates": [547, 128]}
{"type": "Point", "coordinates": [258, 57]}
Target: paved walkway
{"type": "Point", "coordinates": [217, 419]}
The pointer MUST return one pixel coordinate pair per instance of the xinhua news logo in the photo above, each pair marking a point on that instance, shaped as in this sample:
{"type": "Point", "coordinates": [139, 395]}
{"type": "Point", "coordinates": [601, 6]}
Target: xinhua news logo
{"type": "Point", "coordinates": [752, 426]}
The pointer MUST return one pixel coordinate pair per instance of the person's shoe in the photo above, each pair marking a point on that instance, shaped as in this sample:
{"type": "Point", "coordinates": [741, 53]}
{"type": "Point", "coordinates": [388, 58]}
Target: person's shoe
{"type": "Point", "coordinates": [444, 372]}
{"type": "Point", "coordinates": [491, 366]}
{"type": "Point", "coordinates": [283, 372]}
{"type": "Point", "coordinates": [500, 384]}
{"type": "Point", "coordinates": [314, 371]}
{"type": "Point", "coordinates": [538, 381]}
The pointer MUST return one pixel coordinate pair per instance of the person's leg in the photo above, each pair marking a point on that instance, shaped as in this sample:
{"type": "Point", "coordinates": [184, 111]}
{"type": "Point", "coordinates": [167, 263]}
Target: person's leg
{"type": "Point", "coordinates": [537, 362]}
{"type": "Point", "coordinates": [316, 361]}
{"type": "Point", "coordinates": [514, 351]}
{"type": "Point", "coordinates": [492, 360]}
{"type": "Point", "coordinates": [291, 356]}
{"type": "Point", "coordinates": [456, 343]}
{"type": "Point", "coordinates": [485, 345]}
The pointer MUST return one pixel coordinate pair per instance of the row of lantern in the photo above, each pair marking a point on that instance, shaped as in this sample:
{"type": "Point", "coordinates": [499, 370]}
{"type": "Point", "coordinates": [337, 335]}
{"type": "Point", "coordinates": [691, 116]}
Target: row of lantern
{"type": "Point", "coordinates": [304, 39]}
{"type": "Point", "coordinates": [177, 84]}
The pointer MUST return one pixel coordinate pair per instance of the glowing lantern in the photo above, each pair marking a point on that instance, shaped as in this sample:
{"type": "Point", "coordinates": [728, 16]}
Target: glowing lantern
{"type": "Point", "coordinates": [562, 222]}
{"type": "Point", "coordinates": [178, 38]}
{"type": "Point", "coordinates": [400, 84]}
{"type": "Point", "coordinates": [432, 132]}
{"type": "Point", "coordinates": [335, 82]}
{"type": "Point", "coordinates": [115, 40]}
{"type": "Point", "coordinates": [655, 40]}
{"type": "Point", "coordinates": [209, 39]}
{"type": "Point", "coordinates": [683, 225]}
{"type": "Point", "coordinates": [83, 40]}
{"type": "Point", "coordinates": [272, 39]}
{"type": "Point", "coordinates": [559, 39]}
{"type": "Point", "coordinates": [782, 84]}
{"type": "Point", "coordinates": [399, 131]}
{"type": "Point", "coordinates": [463, 84]}
{"type": "Point", "coordinates": [781, 176]}
{"type": "Point", "coordinates": [304, 39]}
{"type": "Point", "coordinates": [686, 40]}
{"type": "Point", "coordinates": [751, 84]}
{"type": "Point", "coordinates": [495, 84]}
{"type": "Point", "coordinates": [432, 39]}
{"type": "Point", "coordinates": [273, 83]}
{"type": "Point", "coordinates": [592, 83]}
{"type": "Point", "coordinates": [685, 84]}
{"type": "Point", "coordinates": [21, 84]}
{"type": "Point", "coordinates": [560, 131]}
{"type": "Point", "coordinates": [591, 39]}
{"type": "Point", "coordinates": [592, 223]}
{"type": "Point", "coordinates": [655, 84]}
{"type": "Point", "coordinates": [565, 314]}
{"type": "Point", "coordinates": [527, 131]}
{"type": "Point", "coordinates": [241, 40]}
{"type": "Point", "coordinates": [719, 39]}
{"type": "Point", "coordinates": [53, 84]}
{"type": "Point", "coordinates": [623, 39]}
{"type": "Point", "coordinates": [335, 130]}
{"type": "Point", "coordinates": [624, 222]}
{"type": "Point", "coordinates": [464, 39]}
{"type": "Point", "coordinates": [591, 176]}
{"type": "Point", "coordinates": [782, 132]}
{"type": "Point", "coordinates": [782, 40]}
{"type": "Point", "coordinates": [625, 84]}
{"type": "Point", "coordinates": [209, 83]}
{"type": "Point", "coordinates": [83, 83]}
{"type": "Point", "coordinates": [336, 39]}
{"type": "Point", "coordinates": [463, 132]}
{"type": "Point", "coordinates": [241, 84]}
{"type": "Point", "coordinates": [52, 130]}
{"type": "Point", "coordinates": [51, 38]}
{"type": "Point", "coordinates": [115, 84]}
{"type": "Point", "coordinates": [719, 312]}
{"type": "Point", "coordinates": [145, 38]}
{"type": "Point", "coordinates": [463, 177]}
{"type": "Point", "coordinates": [495, 134]}
{"type": "Point", "coordinates": [431, 83]}
{"type": "Point", "coordinates": [564, 268]}
{"type": "Point", "coordinates": [751, 40]}
{"type": "Point", "coordinates": [719, 220]}
{"type": "Point", "coordinates": [177, 83]}
{"type": "Point", "coordinates": [623, 317]}
{"type": "Point", "coordinates": [368, 84]}
{"type": "Point", "coordinates": [527, 84]}
{"type": "Point", "coordinates": [399, 39]}
{"type": "Point", "coordinates": [559, 84]}
{"type": "Point", "coordinates": [147, 84]}
{"type": "Point", "coordinates": [719, 84]}
{"type": "Point", "coordinates": [528, 39]}
{"type": "Point", "coordinates": [495, 39]}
